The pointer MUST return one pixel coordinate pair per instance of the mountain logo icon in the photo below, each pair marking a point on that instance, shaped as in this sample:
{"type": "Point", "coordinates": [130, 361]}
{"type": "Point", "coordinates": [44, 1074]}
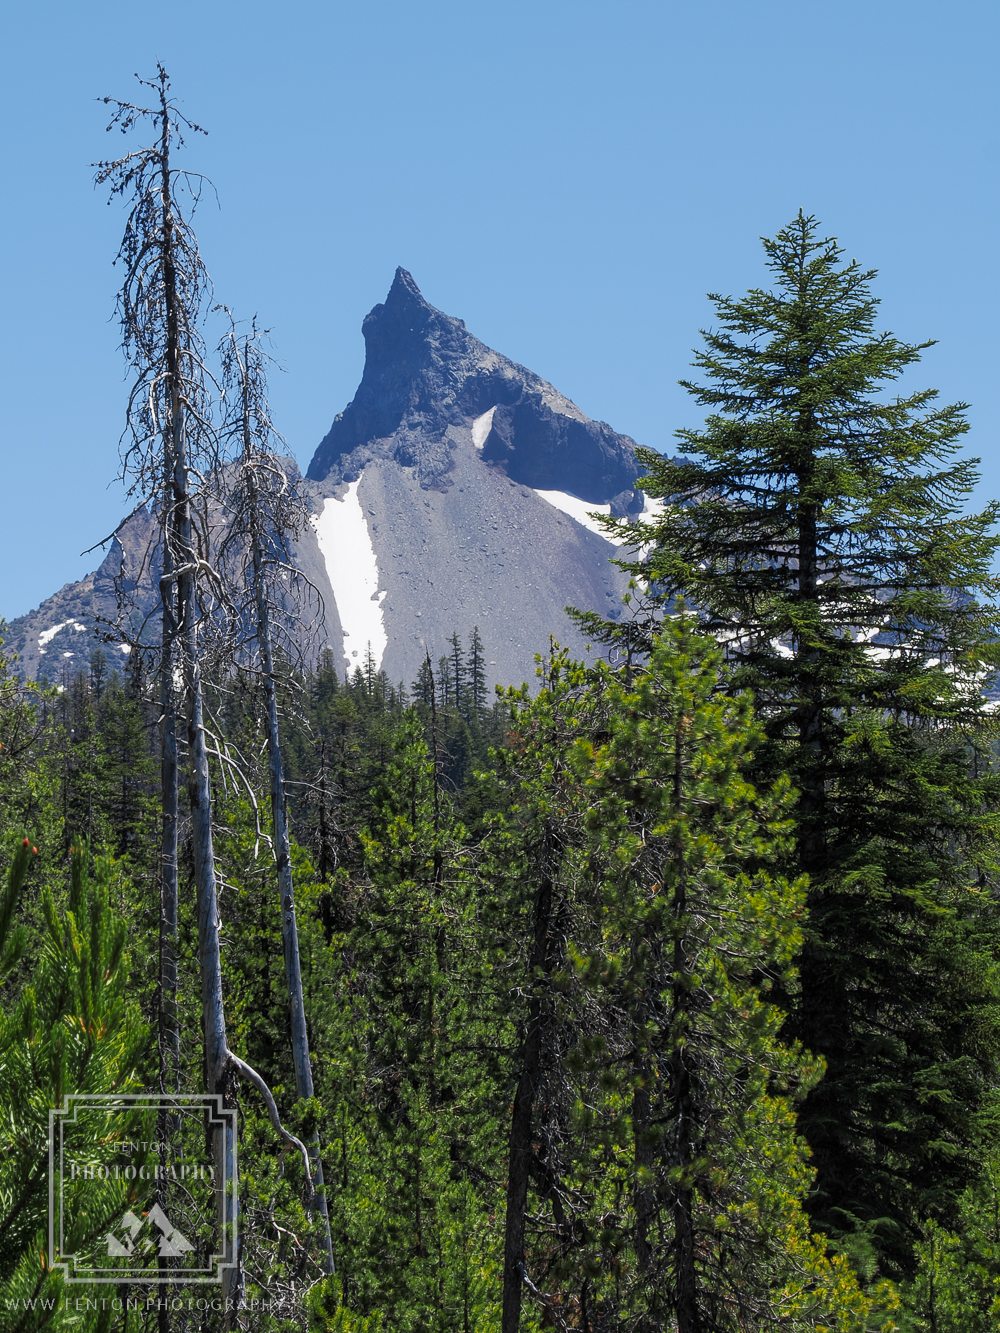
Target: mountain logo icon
{"type": "Point", "coordinates": [152, 1234]}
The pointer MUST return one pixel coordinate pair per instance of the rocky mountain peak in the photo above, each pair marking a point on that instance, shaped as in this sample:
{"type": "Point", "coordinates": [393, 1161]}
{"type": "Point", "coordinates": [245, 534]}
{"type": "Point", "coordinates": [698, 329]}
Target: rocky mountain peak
{"type": "Point", "coordinates": [429, 384]}
{"type": "Point", "coordinates": [403, 285]}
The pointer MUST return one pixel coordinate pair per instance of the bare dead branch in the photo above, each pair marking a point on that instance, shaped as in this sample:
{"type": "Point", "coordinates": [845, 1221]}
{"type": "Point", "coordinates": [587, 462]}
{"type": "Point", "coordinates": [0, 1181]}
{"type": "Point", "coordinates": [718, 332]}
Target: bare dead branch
{"type": "Point", "coordinates": [250, 1074]}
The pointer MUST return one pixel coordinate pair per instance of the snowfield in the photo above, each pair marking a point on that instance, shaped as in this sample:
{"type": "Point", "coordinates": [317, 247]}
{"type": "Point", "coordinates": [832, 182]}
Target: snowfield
{"type": "Point", "coordinates": [346, 547]}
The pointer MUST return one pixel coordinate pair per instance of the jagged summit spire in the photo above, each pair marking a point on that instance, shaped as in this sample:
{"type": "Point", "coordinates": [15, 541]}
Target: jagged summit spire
{"type": "Point", "coordinates": [402, 314]}
{"type": "Point", "coordinates": [403, 283]}
{"type": "Point", "coordinates": [404, 300]}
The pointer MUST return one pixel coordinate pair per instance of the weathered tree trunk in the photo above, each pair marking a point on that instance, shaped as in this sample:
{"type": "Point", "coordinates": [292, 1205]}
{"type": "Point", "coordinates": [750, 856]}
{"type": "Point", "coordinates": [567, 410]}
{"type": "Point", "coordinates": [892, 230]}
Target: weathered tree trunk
{"type": "Point", "coordinates": [168, 1031]}
{"type": "Point", "coordinates": [289, 929]}
{"type": "Point", "coordinates": [173, 440]}
{"type": "Point", "coordinates": [218, 1073]}
{"type": "Point", "coordinates": [180, 544]}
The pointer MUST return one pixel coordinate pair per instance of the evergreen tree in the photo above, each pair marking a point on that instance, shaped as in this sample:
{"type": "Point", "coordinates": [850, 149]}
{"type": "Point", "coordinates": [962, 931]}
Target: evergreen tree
{"type": "Point", "coordinates": [19, 729]}
{"type": "Point", "coordinates": [475, 677]}
{"type": "Point", "coordinates": [532, 866]}
{"type": "Point", "coordinates": [655, 1178]}
{"type": "Point", "coordinates": [446, 683]}
{"type": "Point", "coordinates": [422, 688]}
{"type": "Point", "coordinates": [126, 793]}
{"type": "Point", "coordinates": [818, 526]}
{"type": "Point", "coordinates": [956, 1288]}
{"type": "Point", "coordinates": [696, 930]}
{"type": "Point", "coordinates": [67, 1025]}
{"type": "Point", "coordinates": [75, 743]}
{"type": "Point", "coordinates": [456, 667]}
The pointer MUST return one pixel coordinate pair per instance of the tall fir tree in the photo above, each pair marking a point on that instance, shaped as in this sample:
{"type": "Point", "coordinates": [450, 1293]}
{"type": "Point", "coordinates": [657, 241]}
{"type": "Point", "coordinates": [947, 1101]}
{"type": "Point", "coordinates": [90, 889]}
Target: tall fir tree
{"type": "Point", "coordinates": [956, 1287]}
{"type": "Point", "coordinates": [819, 527]}
{"type": "Point", "coordinates": [456, 658]}
{"type": "Point", "coordinates": [531, 861]}
{"type": "Point", "coordinates": [655, 1178]}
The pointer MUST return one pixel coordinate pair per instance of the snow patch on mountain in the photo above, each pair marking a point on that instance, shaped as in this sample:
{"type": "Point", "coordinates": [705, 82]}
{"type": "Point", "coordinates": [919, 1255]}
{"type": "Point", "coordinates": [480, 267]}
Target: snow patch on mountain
{"type": "Point", "coordinates": [48, 635]}
{"type": "Point", "coordinates": [352, 568]}
{"type": "Point", "coordinates": [581, 511]}
{"type": "Point", "coordinates": [481, 428]}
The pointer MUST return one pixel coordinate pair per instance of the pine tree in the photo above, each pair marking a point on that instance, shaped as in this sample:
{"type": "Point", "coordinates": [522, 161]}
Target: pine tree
{"type": "Point", "coordinates": [456, 661]}
{"type": "Point", "coordinates": [532, 867]}
{"type": "Point", "coordinates": [422, 688]}
{"type": "Point", "coordinates": [126, 793]}
{"type": "Point", "coordinates": [311, 760]}
{"type": "Point", "coordinates": [956, 1287]}
{"type": "Point", "coordinates": [696, 931]}
{"type": "Point", "coordinates": [655, 1178]}
{"type": "Point", "coordinates": [68, 1024]}
{"type": "Point", "coordinates": [402, 1094]}
{"type": "Point", "coordinates": [818, 526]}
{"type": "Point", "coordinates": [446, 684]}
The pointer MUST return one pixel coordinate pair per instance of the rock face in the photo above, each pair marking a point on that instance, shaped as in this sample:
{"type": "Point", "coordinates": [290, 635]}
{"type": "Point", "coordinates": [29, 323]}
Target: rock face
{"type": "Point", "coordinates": [454, 490]}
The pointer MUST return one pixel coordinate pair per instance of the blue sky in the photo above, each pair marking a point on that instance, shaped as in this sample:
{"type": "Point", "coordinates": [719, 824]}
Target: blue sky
{"type": "Point", "coordinates": [570, 177]}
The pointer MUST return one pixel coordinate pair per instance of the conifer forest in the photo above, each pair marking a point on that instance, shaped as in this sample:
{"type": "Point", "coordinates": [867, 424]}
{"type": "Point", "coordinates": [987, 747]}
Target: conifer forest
{"type": "Point", "coordinates": [660, 994]}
